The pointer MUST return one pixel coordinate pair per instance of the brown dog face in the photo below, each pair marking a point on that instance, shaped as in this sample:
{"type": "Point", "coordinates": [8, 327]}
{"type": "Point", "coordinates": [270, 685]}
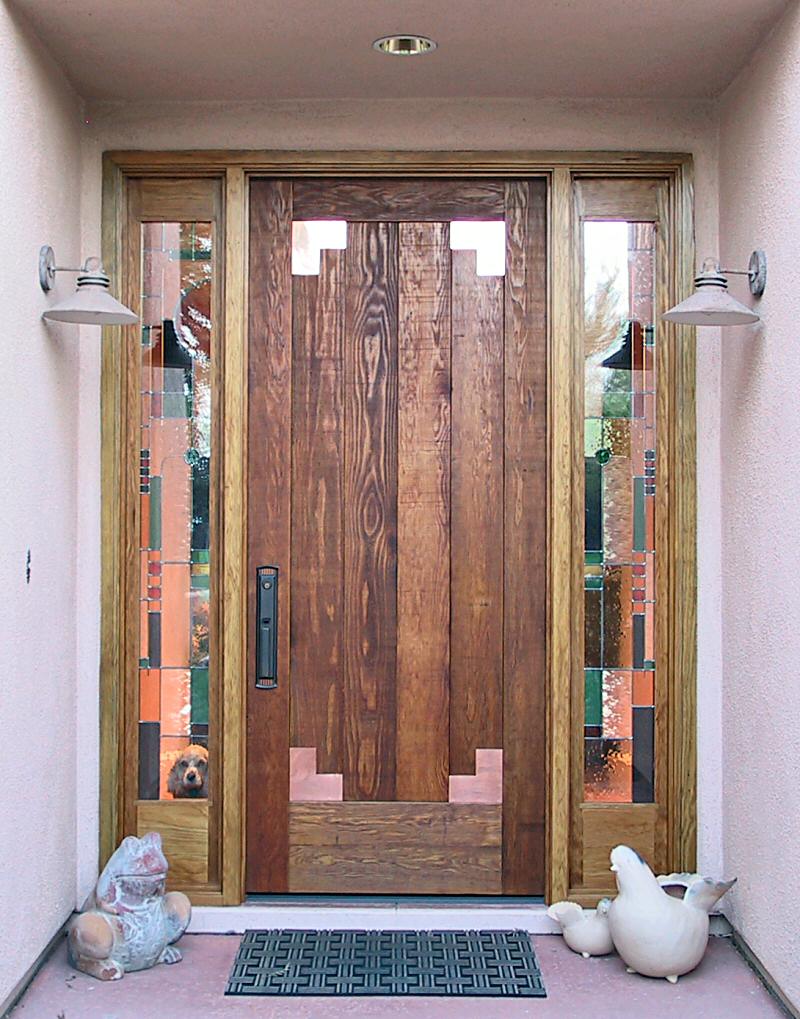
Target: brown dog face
{"type": "Point", "coordinates": [189, 775]}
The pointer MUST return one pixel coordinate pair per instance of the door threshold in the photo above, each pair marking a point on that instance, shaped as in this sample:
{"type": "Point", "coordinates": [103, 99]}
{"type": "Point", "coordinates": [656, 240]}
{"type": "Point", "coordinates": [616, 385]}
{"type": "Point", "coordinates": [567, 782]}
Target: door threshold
{"type": "Point", "coordinates": [304, 912]}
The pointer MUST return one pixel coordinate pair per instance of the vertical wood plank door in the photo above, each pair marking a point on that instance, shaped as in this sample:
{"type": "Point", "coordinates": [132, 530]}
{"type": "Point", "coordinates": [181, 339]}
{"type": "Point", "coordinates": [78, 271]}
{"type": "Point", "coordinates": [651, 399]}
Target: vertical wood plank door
{"type": "Point", "coordinates": [397, 488]}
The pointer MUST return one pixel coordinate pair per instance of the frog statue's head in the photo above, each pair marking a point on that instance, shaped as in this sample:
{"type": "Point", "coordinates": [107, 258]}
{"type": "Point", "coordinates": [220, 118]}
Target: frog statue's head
{"type": "Point", "coordinates": [135, 875]}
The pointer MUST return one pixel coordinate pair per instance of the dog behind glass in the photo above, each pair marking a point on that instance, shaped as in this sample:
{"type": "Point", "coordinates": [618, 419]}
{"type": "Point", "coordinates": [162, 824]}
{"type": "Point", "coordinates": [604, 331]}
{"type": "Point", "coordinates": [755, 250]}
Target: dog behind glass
{"type": "Point", "coordinates": [188, 777]}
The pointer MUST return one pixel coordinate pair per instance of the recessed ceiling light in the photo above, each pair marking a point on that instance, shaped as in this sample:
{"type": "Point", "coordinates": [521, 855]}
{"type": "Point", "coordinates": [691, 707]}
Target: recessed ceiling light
{"type": "Point", "coordinates": [405, 45]}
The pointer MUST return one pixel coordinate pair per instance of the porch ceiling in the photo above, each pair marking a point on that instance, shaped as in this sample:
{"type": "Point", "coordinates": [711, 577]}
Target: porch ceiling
{"type": "Point", "coordinates": [274, 49]}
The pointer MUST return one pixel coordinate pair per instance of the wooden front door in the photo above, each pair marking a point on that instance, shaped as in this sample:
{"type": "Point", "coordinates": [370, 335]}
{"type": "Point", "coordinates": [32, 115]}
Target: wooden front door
{"type": "Point", "coordinates": [397, 496]}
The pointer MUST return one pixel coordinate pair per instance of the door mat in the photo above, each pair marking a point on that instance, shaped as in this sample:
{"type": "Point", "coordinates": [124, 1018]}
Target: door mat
{"type": "Point", "coordinates": [470, 963]}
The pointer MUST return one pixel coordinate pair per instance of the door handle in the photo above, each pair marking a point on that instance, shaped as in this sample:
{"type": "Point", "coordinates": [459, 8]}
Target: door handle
{"type": "Point", "coordinates": [267, 627]}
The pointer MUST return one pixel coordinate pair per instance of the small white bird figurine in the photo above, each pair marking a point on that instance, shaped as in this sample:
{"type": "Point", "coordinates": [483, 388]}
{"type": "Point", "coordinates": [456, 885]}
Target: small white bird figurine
{"type": "Point", "coordinates": [585, 930]}
{"type": "Point", "coordinates": [657, 934]}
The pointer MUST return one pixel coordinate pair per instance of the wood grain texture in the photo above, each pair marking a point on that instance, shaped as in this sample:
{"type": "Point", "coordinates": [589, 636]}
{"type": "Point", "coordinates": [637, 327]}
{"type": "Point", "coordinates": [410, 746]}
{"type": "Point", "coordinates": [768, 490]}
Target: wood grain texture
{"type": "Point", "coordinates": [525, 539]}
{"type": "Point", "coordinates": [396, 848]}
{"type": "Point", "coordinates": [269, 524]}
{"type": "Point", "coordinates": [396, 201]}
{"type": "Point", "coordinates": [423, 513]}
{"type": "Point", "coordinates": [561, 511]}
{"type": "Point", "coordinates": [317, 538]}
{"type": "Point", "coordinates": [184, 830]}
{"type": "Point", "coordinates": [114, 458]}
{"type": "Point", "coordinates": [609, 825]}
{"type": "Point", "coordinates": [476, 536]}
{"type": "Point", "coordinates": [619, 198]}
{"type": "Point", "coordinates": [370, 512]}
{"type": "Point", "coordinates": [233, 540]}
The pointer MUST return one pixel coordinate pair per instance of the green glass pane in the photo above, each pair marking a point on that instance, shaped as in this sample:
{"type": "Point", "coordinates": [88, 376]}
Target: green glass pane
{"type": "Point", "coordinates": [155, 513]}
{"type": "Point", "coordinates": [638, 515]}
{"type": "Point", "coordinates": [593, 435]}
{"type": "Point", "coordinates": [616, 405]}
{"type": "Point", "coordinates": [593, 680]}
{"type": "Point", "coordinates": [199, 696]}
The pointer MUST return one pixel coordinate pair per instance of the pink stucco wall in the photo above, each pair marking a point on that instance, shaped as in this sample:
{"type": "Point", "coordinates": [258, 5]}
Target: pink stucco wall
{"type": "Point", "coordinates": [40, 124]}
{"type": "Point", "coordinates": [760, 450]}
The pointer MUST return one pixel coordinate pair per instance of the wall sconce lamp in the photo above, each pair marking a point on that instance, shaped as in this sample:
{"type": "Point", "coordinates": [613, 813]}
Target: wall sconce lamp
{"type": "Point", "coordinates": [91, 304]}
{"type": "Point", "coordinates": [711, 304]}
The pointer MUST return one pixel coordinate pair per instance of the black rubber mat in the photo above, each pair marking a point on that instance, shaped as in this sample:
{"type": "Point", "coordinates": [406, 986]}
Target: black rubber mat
{"type": "Point", "coordinates": [473, 963]}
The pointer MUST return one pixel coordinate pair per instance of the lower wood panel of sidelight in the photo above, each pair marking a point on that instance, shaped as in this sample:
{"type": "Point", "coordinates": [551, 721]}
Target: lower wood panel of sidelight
{"type": "Point", "coordinates": [395, 848]}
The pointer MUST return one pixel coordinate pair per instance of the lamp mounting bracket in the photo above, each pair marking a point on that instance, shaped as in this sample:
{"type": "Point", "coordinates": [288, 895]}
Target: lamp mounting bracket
{"type": "Point", "coordinates": [756, 272]}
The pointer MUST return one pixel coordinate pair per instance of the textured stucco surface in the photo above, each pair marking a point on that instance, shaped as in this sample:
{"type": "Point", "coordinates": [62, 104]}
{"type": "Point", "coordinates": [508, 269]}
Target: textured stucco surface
{"type": "Point", "coordinates": [40, 124]}
{"type": "Point", "coordinates": [760, 207]}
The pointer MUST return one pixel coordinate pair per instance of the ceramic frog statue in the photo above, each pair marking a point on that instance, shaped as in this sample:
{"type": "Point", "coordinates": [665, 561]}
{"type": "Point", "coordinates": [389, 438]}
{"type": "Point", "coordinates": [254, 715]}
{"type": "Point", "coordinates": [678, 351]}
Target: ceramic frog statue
{"type": "Point", "coordinates": [132, 923]}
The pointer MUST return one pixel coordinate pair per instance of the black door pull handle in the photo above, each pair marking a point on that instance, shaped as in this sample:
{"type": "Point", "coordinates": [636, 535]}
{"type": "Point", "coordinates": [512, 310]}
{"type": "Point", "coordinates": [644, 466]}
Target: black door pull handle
{"type": "Point", "coordinates": [267, 627]}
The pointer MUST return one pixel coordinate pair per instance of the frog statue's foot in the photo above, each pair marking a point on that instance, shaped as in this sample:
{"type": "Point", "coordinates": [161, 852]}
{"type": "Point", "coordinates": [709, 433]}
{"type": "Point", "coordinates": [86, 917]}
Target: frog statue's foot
{"type": "Point", "coordinates": [170, 955]}
{"type": "Point", "coordinates": [90, 946]}
{"type": "Point", "coordinates": [177, 914]}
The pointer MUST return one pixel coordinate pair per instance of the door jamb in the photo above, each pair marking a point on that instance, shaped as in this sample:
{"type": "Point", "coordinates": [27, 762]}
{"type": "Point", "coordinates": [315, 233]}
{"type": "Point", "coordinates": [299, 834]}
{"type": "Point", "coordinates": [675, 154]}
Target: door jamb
{"type": "Point", "coordinates": [565, 553]}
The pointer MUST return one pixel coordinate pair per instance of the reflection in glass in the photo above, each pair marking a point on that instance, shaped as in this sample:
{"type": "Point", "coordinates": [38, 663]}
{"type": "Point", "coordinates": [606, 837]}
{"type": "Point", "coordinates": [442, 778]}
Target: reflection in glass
{"type": "Point", "coordinates": [174, 543]}
{"type": "Point", "coordinates": [620, 479]}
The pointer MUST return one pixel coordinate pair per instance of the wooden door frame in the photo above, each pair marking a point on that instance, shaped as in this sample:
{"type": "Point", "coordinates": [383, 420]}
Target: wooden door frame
{"type": "Point", "coordinates": [565, 544]}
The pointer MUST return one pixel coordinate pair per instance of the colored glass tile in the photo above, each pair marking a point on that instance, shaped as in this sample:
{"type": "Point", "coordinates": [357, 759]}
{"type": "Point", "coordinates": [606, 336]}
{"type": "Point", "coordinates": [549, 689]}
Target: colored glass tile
{"type": "Point", "coordinates": [154, 536]}
{"type": "Point", "coordinates": [617, 433]}
{"type": "Point", "coordinates": [175, 701]}
{"type": "Point", "coordinates": [149, 695]}
{"type": "Point", "coordinates": [617, 510]}
{"type": "Point", "coordinates": [593, 557]}
{"type": "Point", "coordinates": [617, 708]}
{"type": "Point", "coordinates": [593, 628]}
{"type": "Point", "coordinates": [593, 681]}
{"type": "Point", "coordinates": [149, 763]}
{"type": "Point", "coordinates": [617, 611]}
{"type": "Point", "coordinates": [592, 435]}
{"type": "Point", "coordinates": [594, 502]}
{"type": "Point", "coordinates": [608, 770]}
{"type": "Point", "coordinates": [643, 754]}
{"type": "Point", "coordinates": [199, 697]}
{"type": "Point", "coordinates": [616, 405]}
{"type": "Point", "coordinates": [643, 692]}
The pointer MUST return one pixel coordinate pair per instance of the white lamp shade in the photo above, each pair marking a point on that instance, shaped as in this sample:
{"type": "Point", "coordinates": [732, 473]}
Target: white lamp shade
{"type": "Point", "coordinates": [91, 304]}
{"type": "Point", "coordinates": [711, 304]}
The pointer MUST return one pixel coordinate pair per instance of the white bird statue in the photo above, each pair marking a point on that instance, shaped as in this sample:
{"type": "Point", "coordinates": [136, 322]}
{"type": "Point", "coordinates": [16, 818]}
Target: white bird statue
{"type": "Point", "coordinates": [585, 930]}
{"type": "Point", "coordinates": [657, 934]}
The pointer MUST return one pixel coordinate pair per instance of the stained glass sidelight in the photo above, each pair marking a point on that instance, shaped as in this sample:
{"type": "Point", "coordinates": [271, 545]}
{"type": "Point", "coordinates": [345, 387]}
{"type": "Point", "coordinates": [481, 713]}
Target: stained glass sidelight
{"type": "Point", "coordinates": [175, 521]}
{"type": "Point", "coordinates": [620, 485]}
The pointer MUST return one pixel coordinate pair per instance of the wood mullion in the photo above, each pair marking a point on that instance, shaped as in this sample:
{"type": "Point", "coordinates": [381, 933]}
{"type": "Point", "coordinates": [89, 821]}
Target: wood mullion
{"type": "Point", "coordinates": [525, 539]}
{"type": "Point", "coordinates": [269, 525]}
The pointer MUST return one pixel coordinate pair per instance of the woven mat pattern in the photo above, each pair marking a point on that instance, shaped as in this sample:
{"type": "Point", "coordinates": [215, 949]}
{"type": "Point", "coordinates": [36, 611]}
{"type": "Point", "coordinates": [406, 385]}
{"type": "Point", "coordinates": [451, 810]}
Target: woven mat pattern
{"type": "Point", "coordinates": [473, 963]}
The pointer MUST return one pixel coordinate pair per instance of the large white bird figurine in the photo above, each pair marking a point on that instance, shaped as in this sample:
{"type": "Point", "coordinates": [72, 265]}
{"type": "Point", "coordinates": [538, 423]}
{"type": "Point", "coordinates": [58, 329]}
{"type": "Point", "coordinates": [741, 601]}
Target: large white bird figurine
{"type": "Point", "coordinates": [585, 930]}
{"type": "Point", "coordinates": [657, 934]}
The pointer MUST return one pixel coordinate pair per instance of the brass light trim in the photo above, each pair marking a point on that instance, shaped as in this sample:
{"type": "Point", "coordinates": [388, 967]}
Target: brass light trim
{"type": "Point", "coordinates": [404, 45]}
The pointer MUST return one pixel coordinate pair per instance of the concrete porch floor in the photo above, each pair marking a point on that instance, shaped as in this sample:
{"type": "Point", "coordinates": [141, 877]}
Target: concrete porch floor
{"type": "Point", "coordinates": [723, 987]}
